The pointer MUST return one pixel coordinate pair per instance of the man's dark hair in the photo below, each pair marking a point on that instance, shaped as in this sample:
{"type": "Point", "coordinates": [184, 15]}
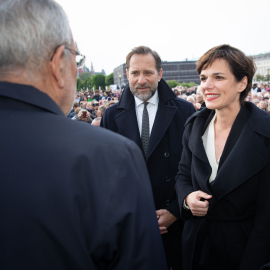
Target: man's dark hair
{"type": "Point", "coordinates": [239, 64]}
{"type": "Point", "coordinates": [76, 105]}
{"type": "Point", "coordinates": [144, 50]}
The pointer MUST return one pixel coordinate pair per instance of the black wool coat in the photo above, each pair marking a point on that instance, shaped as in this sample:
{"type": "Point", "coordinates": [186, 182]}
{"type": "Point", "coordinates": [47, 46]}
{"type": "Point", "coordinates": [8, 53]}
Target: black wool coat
{"type": "Point", "coordinates": [235, 232]}
{"type": "Point", "coordinates": [64, 203]}
{"type": "Point", "coordinates": [165, 142]}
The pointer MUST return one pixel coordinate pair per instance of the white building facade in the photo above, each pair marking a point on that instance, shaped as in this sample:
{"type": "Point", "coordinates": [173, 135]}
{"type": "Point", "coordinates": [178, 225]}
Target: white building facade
{"type": "Point", "coordinates": [262, 62]}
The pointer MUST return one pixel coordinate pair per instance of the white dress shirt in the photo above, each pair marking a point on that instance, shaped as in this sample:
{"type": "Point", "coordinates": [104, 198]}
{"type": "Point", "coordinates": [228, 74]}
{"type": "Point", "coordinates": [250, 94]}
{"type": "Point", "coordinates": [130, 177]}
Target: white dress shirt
{"type": "Point", "coordinates": [151, 108]}
{"type": "Point", "coordinates": [209, 146]}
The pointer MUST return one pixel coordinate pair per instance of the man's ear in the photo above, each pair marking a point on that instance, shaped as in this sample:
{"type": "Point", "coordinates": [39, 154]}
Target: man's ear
{"type": "Point", "coordinates": [127, 74]}
{"type": "Point", "coordinates": [58, 66]}
{"type": "Point", "coordinates": [160, 74]}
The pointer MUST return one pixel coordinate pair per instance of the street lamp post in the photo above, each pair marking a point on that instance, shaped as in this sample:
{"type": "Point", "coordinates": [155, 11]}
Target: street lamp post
{"type": "Point", "coordinates": [119, 79]}
{"type": "Point", "coordinates": [268, 71]}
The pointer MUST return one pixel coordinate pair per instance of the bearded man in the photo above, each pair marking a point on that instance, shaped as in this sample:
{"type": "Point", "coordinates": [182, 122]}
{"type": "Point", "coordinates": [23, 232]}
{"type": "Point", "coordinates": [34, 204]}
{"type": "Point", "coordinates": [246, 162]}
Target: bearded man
{"type": "Point", "coordinates": [151, 115]}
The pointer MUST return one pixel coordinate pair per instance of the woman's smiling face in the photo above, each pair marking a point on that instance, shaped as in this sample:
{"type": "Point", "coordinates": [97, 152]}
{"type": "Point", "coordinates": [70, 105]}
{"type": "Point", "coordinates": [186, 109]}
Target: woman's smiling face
{"type": "Point", "coordinates": [219, 86]}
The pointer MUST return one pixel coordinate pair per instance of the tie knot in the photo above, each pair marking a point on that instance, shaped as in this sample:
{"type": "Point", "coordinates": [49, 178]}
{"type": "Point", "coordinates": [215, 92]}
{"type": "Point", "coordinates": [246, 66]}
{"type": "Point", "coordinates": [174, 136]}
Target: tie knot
{"type": "Point", "coordinates": [145, 104]}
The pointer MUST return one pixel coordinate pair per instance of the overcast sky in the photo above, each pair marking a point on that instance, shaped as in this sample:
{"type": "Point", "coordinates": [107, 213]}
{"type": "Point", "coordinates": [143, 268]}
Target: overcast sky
{"type": "Point", "coordinates": [106, 30]}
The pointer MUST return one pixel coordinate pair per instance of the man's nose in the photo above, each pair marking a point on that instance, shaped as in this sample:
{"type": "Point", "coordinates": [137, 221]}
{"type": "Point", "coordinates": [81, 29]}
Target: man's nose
{"type": "Point", "coordinates": [142, 79]}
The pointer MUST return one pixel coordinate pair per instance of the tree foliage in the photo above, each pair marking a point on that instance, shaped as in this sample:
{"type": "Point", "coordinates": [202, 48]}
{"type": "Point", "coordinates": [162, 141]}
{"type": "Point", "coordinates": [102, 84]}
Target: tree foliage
{"type": "Point", "coordinates": [172, 83]}
{"type": "Point", "coordinates": [109, 79]}
{"type": "Point", "coordinates": [79, 84]}
{"type": "Point", "coordinates": [188, 85]}
{"type": "Point", "coordinates": [85, 75]}
{"type": "Point", "coordinates": [98, 81]}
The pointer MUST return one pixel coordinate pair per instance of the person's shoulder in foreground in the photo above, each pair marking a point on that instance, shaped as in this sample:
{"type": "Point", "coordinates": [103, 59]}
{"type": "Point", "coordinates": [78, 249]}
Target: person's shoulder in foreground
{"type": "Point", "coordinates": [73, 196]}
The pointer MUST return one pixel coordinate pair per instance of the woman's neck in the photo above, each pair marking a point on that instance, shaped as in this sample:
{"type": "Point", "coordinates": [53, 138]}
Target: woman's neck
{"type": "Point", "coordinates": [226, 117]}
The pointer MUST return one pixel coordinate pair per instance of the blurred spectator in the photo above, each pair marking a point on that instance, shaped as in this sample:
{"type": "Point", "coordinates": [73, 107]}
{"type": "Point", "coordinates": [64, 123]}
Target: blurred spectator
{"type": "Point", "coordinates": [84, 116]}
{"type": "Point", "coordinates": [72, 112]}
{"type": "Point", "coordinates": [96, 122]}
{"type": "Point", "coordinates": [177, 93]}
{"type": "Point", "coordinates": [263, 106]}
{"type": "Point", "coordinates": [90, 97]}
{"type": "Point", "coordinates": [97, 95]}
{"type": "Point", "coordinates": [100, 111]}
{"type": "Point", "coordinates": [112, 102]}
{"type": "Point", "coordinates": [77, 110]}
{"type": "Point", "coordinates": [199, 100]}
{"type": "Point", "coordinates": [256, 101]}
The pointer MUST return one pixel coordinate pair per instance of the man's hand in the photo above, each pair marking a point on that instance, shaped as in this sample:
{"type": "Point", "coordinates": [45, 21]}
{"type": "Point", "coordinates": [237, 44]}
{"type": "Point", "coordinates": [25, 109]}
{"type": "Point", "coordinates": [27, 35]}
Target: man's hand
{"type": "Point", "coordinates": [197, 207]}
{"type": "Point", "coordinates": [165, 219]}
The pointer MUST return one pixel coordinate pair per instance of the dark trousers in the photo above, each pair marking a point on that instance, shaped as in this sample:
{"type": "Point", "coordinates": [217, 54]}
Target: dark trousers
{"type": "Point", "coordinates": [173, 252]}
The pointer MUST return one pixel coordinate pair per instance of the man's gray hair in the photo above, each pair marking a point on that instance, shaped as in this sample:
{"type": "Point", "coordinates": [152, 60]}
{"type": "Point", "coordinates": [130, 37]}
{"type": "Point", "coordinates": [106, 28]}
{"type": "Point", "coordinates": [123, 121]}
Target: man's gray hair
{"type": "Point", "coordinates": [30, 31]}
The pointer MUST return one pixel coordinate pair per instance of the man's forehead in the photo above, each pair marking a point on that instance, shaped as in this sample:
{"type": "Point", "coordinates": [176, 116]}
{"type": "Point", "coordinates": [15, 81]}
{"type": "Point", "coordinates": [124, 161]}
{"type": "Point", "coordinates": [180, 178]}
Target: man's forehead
{"type": "Point", "coordinates": [142, 60]}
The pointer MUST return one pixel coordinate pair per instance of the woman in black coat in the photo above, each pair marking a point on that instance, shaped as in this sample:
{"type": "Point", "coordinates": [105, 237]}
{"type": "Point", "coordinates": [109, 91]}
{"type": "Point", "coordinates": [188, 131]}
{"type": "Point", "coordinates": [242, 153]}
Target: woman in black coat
{"type": "Point", "coordinates": [223, 183]}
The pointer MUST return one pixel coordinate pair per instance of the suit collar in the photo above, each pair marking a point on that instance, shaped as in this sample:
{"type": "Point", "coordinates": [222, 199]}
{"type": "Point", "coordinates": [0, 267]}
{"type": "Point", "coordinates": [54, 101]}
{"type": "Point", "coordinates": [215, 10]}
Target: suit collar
{"type": "Point", "coordinates": [29, 95]}
{"type": "Point", "coordinates": [127, 120]}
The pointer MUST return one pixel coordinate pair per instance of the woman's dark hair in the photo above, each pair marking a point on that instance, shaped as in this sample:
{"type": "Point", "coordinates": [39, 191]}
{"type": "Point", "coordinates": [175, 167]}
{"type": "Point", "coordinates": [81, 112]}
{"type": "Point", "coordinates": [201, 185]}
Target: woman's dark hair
{"type": "Point", "coordinates": [240, 64]}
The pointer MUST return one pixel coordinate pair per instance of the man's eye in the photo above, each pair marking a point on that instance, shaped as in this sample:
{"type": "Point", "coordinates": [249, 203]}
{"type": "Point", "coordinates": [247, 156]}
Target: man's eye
{"type": "Point", "coordinates": [219, 77]}
{"type": "Point", "coordinates": [134, 72]}
{"type": "Point", "coordinates": [203, 79]}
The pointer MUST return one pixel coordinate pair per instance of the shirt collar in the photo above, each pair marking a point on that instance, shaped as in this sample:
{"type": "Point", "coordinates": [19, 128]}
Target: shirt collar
{"type": "Point", "coordinates": [153, 100]}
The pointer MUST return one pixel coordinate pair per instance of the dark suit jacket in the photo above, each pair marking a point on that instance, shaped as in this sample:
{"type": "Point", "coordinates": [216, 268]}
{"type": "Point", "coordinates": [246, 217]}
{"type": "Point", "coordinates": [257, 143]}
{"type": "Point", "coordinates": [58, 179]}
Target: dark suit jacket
{"type": "Point", "coordinates": [71, 194]}
{"type": "Point", "coordinates": [235, 232]}
{"type": "Point", "coordinates": [165, 143]}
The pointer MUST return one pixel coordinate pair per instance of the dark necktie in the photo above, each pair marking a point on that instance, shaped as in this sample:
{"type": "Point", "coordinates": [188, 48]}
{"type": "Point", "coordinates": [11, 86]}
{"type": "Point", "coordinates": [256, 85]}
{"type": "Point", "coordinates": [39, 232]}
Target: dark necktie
{"type": "Point", "coordinates": [145, 129]}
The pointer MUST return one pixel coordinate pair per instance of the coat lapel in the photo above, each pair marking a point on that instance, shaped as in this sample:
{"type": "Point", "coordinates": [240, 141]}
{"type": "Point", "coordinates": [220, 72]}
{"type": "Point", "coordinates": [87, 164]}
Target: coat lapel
{"type": "Point", "coordinates": [201, 166]}
{"type": "Point", "coordinates": [128, 126]}
{"type": "Point", "coordinates": [126, 119]}
{"type": "Point", "coordinates": [164, 116]}
{"type": "Point", "coordinates": [231, 175]}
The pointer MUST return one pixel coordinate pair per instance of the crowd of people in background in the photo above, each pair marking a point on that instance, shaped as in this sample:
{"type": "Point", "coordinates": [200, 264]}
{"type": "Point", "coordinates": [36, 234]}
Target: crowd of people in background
{"type": "Point", "coordinates": [89, 106]}
{"type": "Point", "coordinates": [259, 95]}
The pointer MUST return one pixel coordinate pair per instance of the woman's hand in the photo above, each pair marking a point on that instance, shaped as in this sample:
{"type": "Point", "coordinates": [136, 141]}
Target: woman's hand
{"type": "Point", "coordinates": [198, 207]}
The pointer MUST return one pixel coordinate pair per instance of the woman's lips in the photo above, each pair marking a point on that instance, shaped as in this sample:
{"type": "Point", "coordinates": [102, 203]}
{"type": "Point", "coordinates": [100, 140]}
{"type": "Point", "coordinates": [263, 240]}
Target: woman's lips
{"type": "Point", "coordinates": [212, 96]}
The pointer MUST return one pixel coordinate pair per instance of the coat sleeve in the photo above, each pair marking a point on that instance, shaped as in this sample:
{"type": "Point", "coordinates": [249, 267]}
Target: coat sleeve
{"type": "Point", "coordinates": [257, 252]}
{"type": "Point", "coordinates": [183, 180]}
{"type": "Point", "coordinates": [132, 239]}
{"type": "Point", "coordinates": [173, 208]}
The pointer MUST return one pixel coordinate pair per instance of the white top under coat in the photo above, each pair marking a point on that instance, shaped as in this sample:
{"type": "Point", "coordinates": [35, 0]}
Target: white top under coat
{"type": "Point", "coordinates": [151, 108]}
{"type": "Point", "coordinates": [208, 139]}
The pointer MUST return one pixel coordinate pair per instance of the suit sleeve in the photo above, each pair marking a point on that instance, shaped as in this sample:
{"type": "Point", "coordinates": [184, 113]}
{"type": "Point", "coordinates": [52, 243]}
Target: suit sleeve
{"type": "Point", "coordinates": [132, 239]}
{"type": "Point", "coordinates": [183, 180]}
{"type": "Point", "coordinates": [257, 252]}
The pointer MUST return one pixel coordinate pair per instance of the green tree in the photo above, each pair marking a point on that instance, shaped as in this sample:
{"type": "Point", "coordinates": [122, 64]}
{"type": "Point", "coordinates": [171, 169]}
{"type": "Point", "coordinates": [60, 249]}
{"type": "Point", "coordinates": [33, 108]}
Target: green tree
{"type": "Point", "coordinates": [188, 85]}
{"type": "Point", "coordinates": [98, 80]}
{"type": "Point", "coordinates": [109, 79]}
{"type": "Point", "coordinates": [172, 83]}
{"type": "Point", "coordinates": [85, 75]}
{"type": "Point", "coordinates": [79, 84]}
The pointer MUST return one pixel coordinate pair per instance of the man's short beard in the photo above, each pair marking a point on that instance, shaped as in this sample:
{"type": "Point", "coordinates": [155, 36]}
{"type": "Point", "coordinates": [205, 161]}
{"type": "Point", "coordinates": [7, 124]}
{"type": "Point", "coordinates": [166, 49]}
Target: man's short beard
{"type": "Point", "coordinates": [144, 97]}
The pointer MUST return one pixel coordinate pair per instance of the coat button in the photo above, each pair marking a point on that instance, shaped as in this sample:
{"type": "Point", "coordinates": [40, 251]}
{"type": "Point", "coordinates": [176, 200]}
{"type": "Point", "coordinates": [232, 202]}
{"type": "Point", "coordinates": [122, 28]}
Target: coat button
{"type": "Point", "coordinates": [166, 154]}
{"type": "Point", "coordinates": [168, 202]}
{"type": "Point", "coordinates": [167, 178]}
